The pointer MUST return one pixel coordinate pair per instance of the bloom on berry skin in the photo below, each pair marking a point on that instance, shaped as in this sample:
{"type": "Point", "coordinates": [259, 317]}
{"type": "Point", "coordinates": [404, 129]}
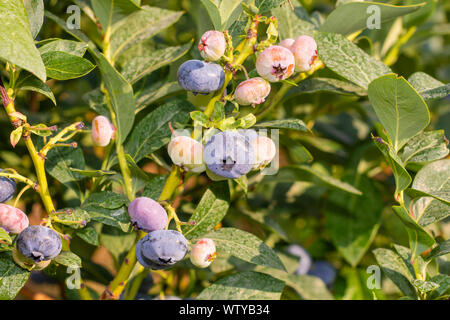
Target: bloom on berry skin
{"type": "Point", "coordinates": [12, 220]}
{"type": "Point", "coordinates": [212, 45]}
{"type": "Point", "coordinates": [275, 63]}
{"type": "Point", "coordinates": [161, 249]}
{"type": "Point", "coordinates": [252, 91]}
{"type": "Point", "coordinates": [203, 253]}
{"type": "Point", "coordinates": [200, 76]}
{"type": "Point", "coordinates": [305, 52]}
{"type": "Point", "coordinates": [38, 243]}
{"type": "Point", "coordinates": [7, 188]}
{"type": "Point", "coordinates": [147, 214]}
{"type": "Point", "coordinates": [229, 154]}
{"type": "Point", "coordinates": [264, 149]}
{"type": "Point", "coordinates": [187, 153]}
{"type": "Point", "coordinates": [287, 43]}
{"type": "Point", "coordinates": [102, 131]}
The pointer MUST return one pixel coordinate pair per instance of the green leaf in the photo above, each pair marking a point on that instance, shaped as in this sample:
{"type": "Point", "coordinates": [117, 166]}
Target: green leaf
{"type": "Point", "coordinates": [305, 173]}
{"type": "Point", "coordinates": [5, 236]}
{"type": "Point", "coordinates": [356, 16]}
{"type": "Point", "coordinates": [267, 5]}
{"type": "Point", "coordinates": [293, 24]}
{"type": "Point", "coordinates": [425, 286]}
{"type": "Point", "coordinates": [109, 208]}
{"type": "Point", "coordinates": [401, 176]}
{"type": "Point", "coordinates": [17, 44]}
{"type": "Point", "coordinates": [12, 277]}
{"type": "Point", "coordinates": [401, 110]}
{"type": "Point", "coordinates": [15, 136]}
{"type": "Point", "coordinates": [138, 26]}
{"type": "Point", "coordinates": [88, 234]}
{"type": "Point", "coordinates": [155, 92]}
{"type": "Point", "coordinates": [117, 242]}
{"type": "Point", "coordinates": [292, 124]}
{"type": "Point", "coordinates": [425, 147]}
{"type": "Point", "coordinates": [109, 12]}
{"type": "Point", "coordinates": [29, 82]}
{"type": "Point", "coordinates": [443, 281]}
{"type": "Point", "coordinates": [68, 259]}
{"type": "Point", "coordinates": [308, 287]}
{"type": "Point", "coordinates": [244, 286]}
{"type": "Point", "coordinates": [433, 178]}
{"type": "Point", "coordinates": [75, 48]}
{"type": "Point", "coordinates": [121, 96]}
{"type": "Point", "coordinates": [428, 87]}
{"type": "Point", "coordinates": [200, 117]}
{"type": "Point", "coordinates": [64, 66]}
{"type": "Point", "coordinates": [243, 183]}
{"type": "Point", "coordinates": [76, 216]}
{"type": "Point", "coordinates": [35, 13]}
{"type": "Point", "coordinates": [154, 187]}
{"type": "Point", "coordinates": [77, 34]}
{"type": "Point", "coordinates": [419, 239]}
{"type": "Point", "coordinates": [210, 211]}
{"type": "Point", "coordinates": [60, 161]}
{"type": "Point", "coordinates": [244, 246]}
{"type": "Point", "coordinates": [140, 66]}
{"type": "Point", "coordinates": [223, 12]}
{"type": "Point", "coordinates": [348, 60]}
{"type": "Point", "coordinates": [153, 131]}
{"type": "Point", "coordinates": [93, 173]}
{"type": "Point", "coordinates": [353, 221]}
{"type": "Point", "coordinates": [396, 269]}
{"type": "Point", "coordinates": [139, 177]}
{"type": "Point", "coordinates": [441, 195]}
{"type": "Point", "coordinates": [313, 85]}
{"type": "Point", "coordinates": [441, 249]}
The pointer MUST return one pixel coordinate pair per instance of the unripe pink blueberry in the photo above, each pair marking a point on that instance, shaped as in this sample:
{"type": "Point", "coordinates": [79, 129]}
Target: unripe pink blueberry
{"type": "Point", "coordinates": [187, 153]}
{"type": "Point", "coordinates": [265, 150]}
{"type": "Point", "coordinates": [12, 220]}
{"type": "Point", "coordinates": [212, 45]}
{"type": "Point", "coordinates": [287, 43]}
{"type": "Point", "coordinates": [203, 253]}
{"type": "Point", "coordinates": [252, 91]}
{"type": "Point", "coordinates": [102, 131]}
{"type": "Point", "coordinates": [275, 63]}
{"type": "Point", "coordinates": [147, 214]}
{"type": "Point", "coordinates": [305, 52]}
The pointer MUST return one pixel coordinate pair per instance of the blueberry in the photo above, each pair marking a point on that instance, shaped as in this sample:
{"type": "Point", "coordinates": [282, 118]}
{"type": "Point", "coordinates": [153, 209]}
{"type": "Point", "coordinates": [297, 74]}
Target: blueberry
{"type": "Point", "coordinates": [252, 91]}
{"type": "Point", "coordinates": [161, 249]}
{"type": "Point", "coordinates": [102, 131]}
{"type": "Point", "coordinates": [304, 49]}
{"type": "Point", "coordinates": [203, 252]}
{"type": "Point", "coordinates": [275, 63]}
{"type": "Point", "coordinates": [7, 188]}
{"type": "Point", "coordinates": [39, 243]}
{"type": "Point", "coordinates": [147, 214]}
{"type": "Point", "coordinates": [229, 154]}
{"type": "Point", "coordinates": [212, 45]}
{"type": "Point", "coordinates": [324, 270]}
{"type": "Point", "coordinates": [187, 153]}
{"type": "Point", "coordinates": [12, 220]}
{"type": "Point", "coordinates": [200, 77]}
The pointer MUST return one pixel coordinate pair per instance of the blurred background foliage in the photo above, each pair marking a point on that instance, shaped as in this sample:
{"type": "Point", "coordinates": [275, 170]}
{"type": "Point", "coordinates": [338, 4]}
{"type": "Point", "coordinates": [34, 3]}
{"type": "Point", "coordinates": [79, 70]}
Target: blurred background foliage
{"type": "Point", "coordinates": [277, 209]}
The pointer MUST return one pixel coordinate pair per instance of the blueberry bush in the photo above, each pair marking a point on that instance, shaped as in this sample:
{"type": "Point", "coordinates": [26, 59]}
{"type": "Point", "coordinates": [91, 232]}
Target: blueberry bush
{"type": "Point", "coordinates": [224, 149]}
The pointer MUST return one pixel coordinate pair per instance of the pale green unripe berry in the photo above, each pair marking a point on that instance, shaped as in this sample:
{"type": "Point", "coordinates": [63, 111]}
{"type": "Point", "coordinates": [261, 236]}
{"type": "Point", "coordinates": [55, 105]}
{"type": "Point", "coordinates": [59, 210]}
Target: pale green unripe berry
{"type": "Point", "coordinates": [304, 49]}
{"type": "Point", "coordinates": [212, 45]}
{"type": "Point", "coordinates": [265, 150]}
{"type": "Point", "coordinates": [187, 153]}
{"type": "Point", "coordinates": [252, 91]}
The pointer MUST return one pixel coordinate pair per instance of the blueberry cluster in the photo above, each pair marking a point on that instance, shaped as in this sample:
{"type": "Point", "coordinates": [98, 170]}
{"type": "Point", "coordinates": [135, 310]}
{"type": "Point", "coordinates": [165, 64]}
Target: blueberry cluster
{"type": "Point", "coordinates": [162, 248]}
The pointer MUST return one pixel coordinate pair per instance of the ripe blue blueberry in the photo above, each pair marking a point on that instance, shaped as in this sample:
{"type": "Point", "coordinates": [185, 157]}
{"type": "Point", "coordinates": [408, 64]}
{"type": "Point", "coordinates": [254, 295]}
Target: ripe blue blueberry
{"type": "Point", "coordinates": [161, 249]}
{"type": "Point", "coordinates": [39, 243]}
{"type": "Point", "coordinates": [229, 154]}
{"type": "Point", "coordinates": [7, 188]}
{"type": "Point", "coordinates": [200, 77]}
